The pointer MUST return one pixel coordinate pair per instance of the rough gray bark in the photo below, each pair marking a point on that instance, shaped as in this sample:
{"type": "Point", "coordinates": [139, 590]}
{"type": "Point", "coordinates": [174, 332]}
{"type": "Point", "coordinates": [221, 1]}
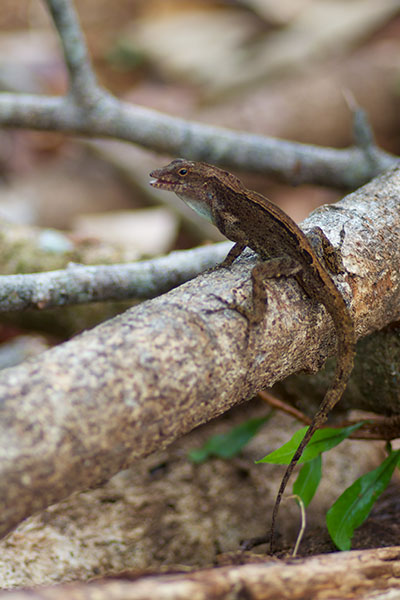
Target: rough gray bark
{"type": "Point", "coordinates": [77, 414]}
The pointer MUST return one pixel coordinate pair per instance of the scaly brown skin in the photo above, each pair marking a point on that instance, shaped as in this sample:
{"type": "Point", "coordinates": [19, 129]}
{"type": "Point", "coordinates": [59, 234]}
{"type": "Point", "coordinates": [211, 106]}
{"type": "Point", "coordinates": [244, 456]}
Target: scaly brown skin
{"type": "Point", "coordinates": [249, 219]}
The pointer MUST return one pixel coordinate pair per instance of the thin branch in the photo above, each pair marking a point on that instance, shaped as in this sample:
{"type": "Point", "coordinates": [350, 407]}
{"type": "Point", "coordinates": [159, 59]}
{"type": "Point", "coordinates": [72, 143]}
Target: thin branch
{"type": "Point", "coordinates": [111, 118]}
{"type": "Point", "coordinates": [83, 82]}
{"type": "Point", "coordinates": [288, 409]}
{"type": "Point", "coordinates": [376, 427]}
{"type": "Point", "coordinates": [80, 284]}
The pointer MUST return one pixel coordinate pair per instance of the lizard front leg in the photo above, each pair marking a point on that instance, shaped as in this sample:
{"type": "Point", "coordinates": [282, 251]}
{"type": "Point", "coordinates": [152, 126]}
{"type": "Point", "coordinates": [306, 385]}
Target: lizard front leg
{"type": "Point", "coordinates": [281, 266]}
{"type": "Point", "coordinates": [232, 255]}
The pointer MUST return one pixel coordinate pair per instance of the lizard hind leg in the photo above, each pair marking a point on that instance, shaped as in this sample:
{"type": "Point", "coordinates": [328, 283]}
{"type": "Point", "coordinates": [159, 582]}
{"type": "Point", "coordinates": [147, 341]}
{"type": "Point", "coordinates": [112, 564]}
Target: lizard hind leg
{"type": "Point", "coordinates": [282, 266]}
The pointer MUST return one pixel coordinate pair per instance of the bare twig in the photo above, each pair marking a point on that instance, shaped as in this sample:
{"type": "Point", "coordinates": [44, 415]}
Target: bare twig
{"type": "Point", "coordinates": [80, 284]}
{"type": "Point", "coordinates": [376, 427]}
{"type": "Point", "coordinates": [288, 409]}
{"type": "Point", "coordinates": [83, 84]}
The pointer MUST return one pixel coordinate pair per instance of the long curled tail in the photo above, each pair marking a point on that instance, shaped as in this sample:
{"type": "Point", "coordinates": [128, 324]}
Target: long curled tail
{"type": "Point", "coordinates": [344, 367]}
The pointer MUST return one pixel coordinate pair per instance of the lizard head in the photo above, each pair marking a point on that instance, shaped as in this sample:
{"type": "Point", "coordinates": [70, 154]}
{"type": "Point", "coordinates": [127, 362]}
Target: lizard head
{"type": "Point", "coordinates": [187, 176]}
{"type": "Point", "coordinates": [200, 185]}
{"type": "Point", "coordinates": [191, 181]}
{"type": "Point", "coordinates": [180, 176]}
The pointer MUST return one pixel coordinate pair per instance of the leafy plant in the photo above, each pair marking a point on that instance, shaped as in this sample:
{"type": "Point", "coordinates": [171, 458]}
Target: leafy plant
{"type": "Point", "coordinates": [352, 508]}
{"type": "Point", "coordinates": [308, 480]}
{"type": "Point", "coordinates": [229, 444]}
{"type": "Point", "coordinates": [321, 441]}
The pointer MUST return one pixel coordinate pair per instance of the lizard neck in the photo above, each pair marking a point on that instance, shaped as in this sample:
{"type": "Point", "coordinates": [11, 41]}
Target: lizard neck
{"type": "Point", "coordinates": [201, 203]}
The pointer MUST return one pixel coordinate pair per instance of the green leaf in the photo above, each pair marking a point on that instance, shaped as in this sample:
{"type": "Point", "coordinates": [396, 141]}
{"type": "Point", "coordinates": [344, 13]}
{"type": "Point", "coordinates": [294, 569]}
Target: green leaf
{"type": "Point", "coordinates": [352, 508]}
{"type": "Point", "coordinates": [308, 480]}
{"type": "Point", "coordinates": [228, 444]}
{"type": "Point", "coordinates": [321, 441]}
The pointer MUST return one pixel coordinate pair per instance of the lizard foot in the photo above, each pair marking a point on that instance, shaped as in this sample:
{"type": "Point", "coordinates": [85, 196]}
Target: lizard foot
{"type": "Point", "coordinates": [233, 305]}
{"type": "Point", "coordinates": [245, 312]}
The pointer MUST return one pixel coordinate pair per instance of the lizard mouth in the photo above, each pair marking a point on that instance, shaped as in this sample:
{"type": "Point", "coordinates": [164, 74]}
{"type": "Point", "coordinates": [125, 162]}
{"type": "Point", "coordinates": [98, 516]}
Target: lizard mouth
{"type": "Point", "coordinates": [163, 183]}
{"type": "Point", "coordinates": [158, 183]}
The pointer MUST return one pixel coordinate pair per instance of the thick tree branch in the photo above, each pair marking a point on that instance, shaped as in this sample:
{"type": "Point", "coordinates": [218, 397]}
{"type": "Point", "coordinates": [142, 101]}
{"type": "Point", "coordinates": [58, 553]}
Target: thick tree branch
{"type": "Point", "coordinates": [79, 413]}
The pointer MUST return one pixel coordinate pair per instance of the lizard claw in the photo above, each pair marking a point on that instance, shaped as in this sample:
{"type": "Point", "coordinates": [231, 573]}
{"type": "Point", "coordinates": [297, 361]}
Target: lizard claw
{"type": "Point", "coordinates": [232, 305]}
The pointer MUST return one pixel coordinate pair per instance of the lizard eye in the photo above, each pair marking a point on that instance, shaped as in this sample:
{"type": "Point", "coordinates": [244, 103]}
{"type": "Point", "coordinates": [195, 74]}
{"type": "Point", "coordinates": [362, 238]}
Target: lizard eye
{"type": "Point", "coordinates": [182, 172]}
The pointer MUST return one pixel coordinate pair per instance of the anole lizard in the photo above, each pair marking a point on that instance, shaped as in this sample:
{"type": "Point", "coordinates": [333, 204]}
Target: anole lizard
{"type": "Point", "coordinates": [249, 219]}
